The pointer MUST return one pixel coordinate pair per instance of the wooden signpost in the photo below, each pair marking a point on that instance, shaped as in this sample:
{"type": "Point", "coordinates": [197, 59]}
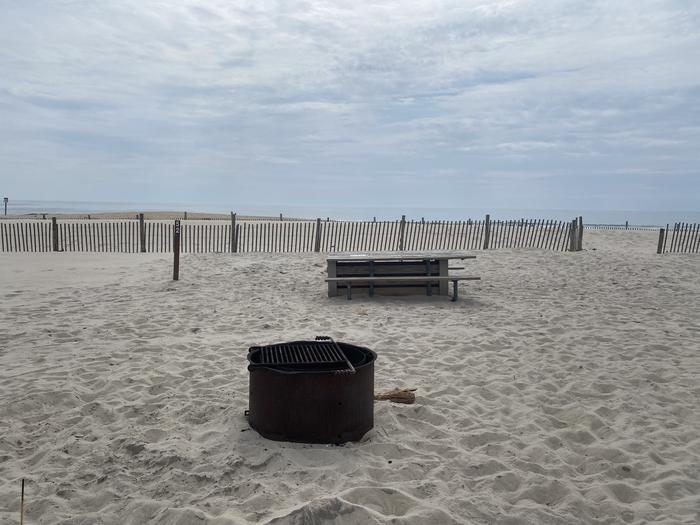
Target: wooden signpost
{"type": "Point", "coordinates": [176, 251]}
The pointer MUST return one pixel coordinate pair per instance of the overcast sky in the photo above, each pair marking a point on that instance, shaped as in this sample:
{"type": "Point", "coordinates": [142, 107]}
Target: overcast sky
{"type": "Point", "coordinates": [470, 103]}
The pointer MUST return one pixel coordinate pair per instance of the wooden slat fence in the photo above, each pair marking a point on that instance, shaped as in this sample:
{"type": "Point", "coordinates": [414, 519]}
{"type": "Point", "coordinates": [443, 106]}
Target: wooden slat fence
{"type": "Point", "coordinates": [98, 236]}
{"type": "Point", "coordinates": [619, 227]}
{"type": "Point", "coordinates": [684, 237]}
{"type": "Point", "coordinates": [25, 236]}
{"type": "Point", "coordinates": [153, 236]}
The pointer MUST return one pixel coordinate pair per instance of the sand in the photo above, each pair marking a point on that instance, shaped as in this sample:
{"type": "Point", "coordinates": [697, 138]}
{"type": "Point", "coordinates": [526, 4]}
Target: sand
{"type": "Point", "coordinates": [562, 388]}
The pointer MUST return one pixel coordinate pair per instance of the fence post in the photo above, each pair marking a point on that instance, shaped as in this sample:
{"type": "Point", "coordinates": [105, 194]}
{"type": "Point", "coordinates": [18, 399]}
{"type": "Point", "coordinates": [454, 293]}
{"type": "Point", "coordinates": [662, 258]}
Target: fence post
{"type": "Point", "coordinates": [580, 234]}
{"type": "Point", "coordinates": [660, 246]}
{"type": "Point", "coordinates": [142, 234]}
{"type": "Point", "coordinates": [572, 236]}
{"type": "Point", "coordinates": [232, 245]}
{"type": "Point", "coordinates": [236, 237]}
{"type": "Point", "coordinates": [54, 233]}
{"type": "Point", "coordinates": [402, 232]}
{"type": "Point", "coordinates": [176, 250]}
{"type": "Point", "coordinates": [487, 231]}
{"type": "Point", "coordinates": [317, 241]}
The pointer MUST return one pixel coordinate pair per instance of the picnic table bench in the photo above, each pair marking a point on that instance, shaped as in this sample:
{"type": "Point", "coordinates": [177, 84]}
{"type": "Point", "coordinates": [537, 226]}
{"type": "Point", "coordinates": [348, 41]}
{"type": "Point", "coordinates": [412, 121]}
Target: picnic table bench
{"type": "Point", "coordinates": [395, 273]}
{"type": "Point", "coordinates": [418, 279]}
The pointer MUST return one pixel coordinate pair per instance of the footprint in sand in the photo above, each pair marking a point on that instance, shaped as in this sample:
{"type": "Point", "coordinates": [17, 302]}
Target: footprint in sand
{"type": "Point", "coordinates": [384, 500]}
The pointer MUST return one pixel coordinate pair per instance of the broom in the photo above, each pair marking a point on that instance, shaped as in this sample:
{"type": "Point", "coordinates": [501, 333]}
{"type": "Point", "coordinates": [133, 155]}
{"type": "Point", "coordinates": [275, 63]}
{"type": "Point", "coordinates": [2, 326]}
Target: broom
{"type": "Point", "coordinates": [397, 395]}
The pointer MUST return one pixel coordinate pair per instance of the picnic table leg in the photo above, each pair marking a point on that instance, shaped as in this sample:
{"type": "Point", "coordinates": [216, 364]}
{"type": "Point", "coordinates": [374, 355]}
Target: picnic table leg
{"type": "Point", "coordinates": [332, 285]}
{"type": "Point", "coordinates": [429, 285]}
{"type": "Point", "coordinates": [348, 290]}
{"type": "Point", "coordinates": [455, 290]}
{"type": "Point", "coordinates": [444, 272]}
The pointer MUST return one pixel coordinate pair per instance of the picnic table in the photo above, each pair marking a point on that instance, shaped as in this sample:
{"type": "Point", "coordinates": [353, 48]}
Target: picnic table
{"type": "Point", "coordinates": [395, 273]}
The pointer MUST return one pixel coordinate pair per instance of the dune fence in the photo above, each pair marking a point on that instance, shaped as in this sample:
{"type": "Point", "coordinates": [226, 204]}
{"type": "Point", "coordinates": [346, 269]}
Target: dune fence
{"type": "Point", "coordinates": [684, 237]}
{"type": "Point", "coordinates": [625, 226]}
{"type": "Point", "coordinates": [293, 236]}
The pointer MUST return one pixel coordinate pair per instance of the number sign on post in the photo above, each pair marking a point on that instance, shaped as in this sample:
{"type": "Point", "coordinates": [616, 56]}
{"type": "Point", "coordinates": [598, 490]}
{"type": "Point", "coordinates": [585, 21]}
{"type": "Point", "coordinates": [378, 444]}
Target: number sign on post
{"type": "Point", "coordinates": [176, 251]}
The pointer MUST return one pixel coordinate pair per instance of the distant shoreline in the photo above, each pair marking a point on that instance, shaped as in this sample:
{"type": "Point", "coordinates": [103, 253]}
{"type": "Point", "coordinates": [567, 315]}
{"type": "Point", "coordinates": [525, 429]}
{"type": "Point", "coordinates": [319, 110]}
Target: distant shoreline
{"type": "Point", "coordinates": [27, 210]}
{"type": "Point", "coordinates": [149, 215]}
{"type": "Point", "coordinates": [172, 215]}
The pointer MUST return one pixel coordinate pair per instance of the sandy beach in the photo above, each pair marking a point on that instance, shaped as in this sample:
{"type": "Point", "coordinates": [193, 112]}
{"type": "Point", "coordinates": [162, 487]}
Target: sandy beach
{"type": "Point", "coordinates": [562, 388]}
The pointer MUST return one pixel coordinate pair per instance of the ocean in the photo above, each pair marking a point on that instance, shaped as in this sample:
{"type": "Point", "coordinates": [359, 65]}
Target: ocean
{"type": "Point", "coordinates": [634, 217]}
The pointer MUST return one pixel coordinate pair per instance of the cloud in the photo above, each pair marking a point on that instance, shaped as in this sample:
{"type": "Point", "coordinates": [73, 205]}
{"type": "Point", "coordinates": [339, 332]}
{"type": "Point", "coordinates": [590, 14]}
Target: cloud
{"type": "Point", "coordinates": [261, 100]}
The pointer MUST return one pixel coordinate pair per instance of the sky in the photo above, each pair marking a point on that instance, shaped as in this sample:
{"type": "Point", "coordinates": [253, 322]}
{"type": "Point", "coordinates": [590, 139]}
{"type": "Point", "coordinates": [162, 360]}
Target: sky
{"type": "Point", "coordinates": [564, 104]}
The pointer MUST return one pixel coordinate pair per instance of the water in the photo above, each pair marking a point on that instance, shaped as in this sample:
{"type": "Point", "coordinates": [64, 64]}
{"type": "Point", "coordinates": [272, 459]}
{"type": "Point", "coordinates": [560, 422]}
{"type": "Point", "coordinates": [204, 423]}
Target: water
{"type": "Point", "coordinates": [635, 217]}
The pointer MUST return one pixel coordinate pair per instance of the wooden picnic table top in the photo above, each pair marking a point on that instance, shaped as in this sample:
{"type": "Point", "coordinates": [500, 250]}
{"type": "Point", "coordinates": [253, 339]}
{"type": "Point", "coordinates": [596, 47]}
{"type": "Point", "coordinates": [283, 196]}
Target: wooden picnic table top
{"type": "Point", "coordinates": [403, 278]}
{"type": "Point", "coordinates": [399, 256]}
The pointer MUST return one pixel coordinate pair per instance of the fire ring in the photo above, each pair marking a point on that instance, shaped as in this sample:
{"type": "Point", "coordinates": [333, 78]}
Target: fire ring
{"type": "Point", "coordinates": [318, 391]}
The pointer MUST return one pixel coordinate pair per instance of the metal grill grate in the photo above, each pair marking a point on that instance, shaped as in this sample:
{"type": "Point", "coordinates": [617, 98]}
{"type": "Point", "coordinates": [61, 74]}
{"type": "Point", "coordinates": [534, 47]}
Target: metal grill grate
{"type": "Point", "coordinates": [323, 352]}
{"type": "Point", "coordinates": [300, 353]}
